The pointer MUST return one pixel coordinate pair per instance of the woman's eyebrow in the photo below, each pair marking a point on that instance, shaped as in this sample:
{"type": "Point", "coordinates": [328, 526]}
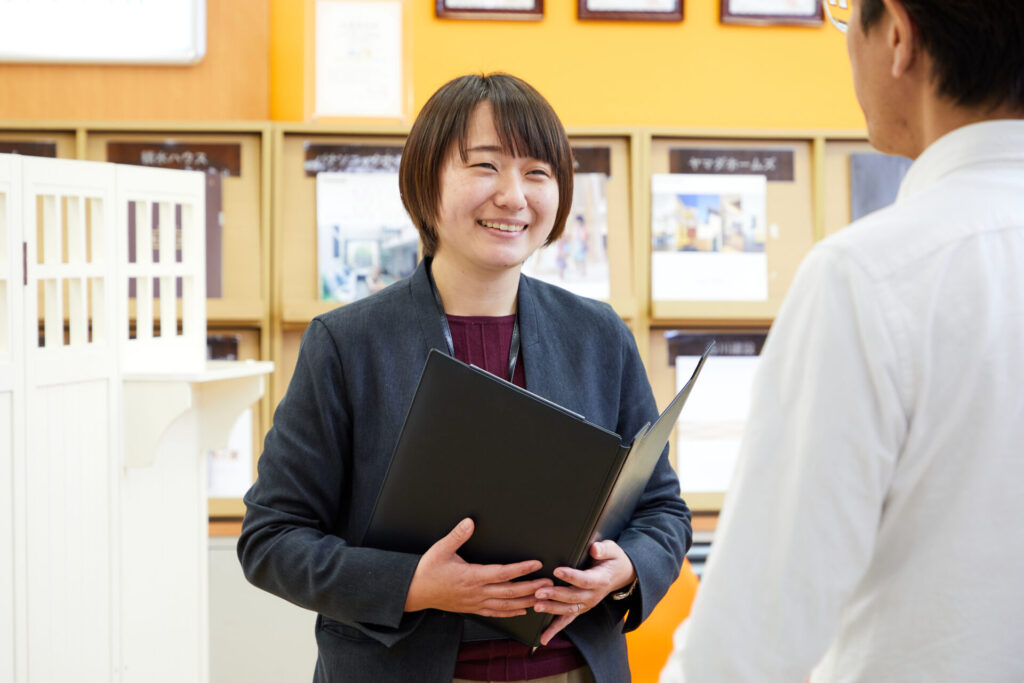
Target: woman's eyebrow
{"type": "Point", "coordinates": [486, 148]}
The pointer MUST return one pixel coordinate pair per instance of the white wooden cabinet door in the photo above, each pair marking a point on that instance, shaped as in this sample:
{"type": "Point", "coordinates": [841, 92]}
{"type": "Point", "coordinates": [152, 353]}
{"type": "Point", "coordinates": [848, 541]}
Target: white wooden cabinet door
{"type": "Point", "coordinates": [12, 433]}
{"type": "Point", "coordinates": [71, 469]}
{"type": "Point", "coordinates": [108, 577]}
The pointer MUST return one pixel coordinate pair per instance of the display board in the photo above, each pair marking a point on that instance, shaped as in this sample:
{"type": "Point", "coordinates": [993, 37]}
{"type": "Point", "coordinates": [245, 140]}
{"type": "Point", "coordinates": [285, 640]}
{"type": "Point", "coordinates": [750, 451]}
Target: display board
{"type": "Point", "coordinates": [304, 151]}
{"type": "Point", "coordinates": [806, 195]}
{"type": "Point", "coordinates": [785, 230]}
{"type": "Point", "coordinates": [237, 158]}
{"type": "Point", "coordinates": [601, 220]}
{"type": "Point", "coordinates": [238, 161]}
{"type": "Point", "coordinates": [705, 443]}
{"type": "Point", "coordinates": [229, 468]}
{"type": "Point", "coordinates": [836, 181]}
{"type": "Point", "coordinates": [60, 145]}
{"type": "Point", "coordinates": [301, 156]}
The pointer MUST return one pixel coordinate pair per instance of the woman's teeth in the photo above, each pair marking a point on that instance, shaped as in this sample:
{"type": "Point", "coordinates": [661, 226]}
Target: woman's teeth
{"type": "Point", "coordinates": [504, 227]}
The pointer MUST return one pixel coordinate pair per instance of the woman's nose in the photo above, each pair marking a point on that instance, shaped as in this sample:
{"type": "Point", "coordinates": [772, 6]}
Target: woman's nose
{"type": "Point", "coordinates": [510, 192]}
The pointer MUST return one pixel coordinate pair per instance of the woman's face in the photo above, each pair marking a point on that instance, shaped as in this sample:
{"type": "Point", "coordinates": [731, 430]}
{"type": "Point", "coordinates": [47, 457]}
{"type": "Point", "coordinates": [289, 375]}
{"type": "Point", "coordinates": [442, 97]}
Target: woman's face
{"type": "Point", "coordinates": [496, 209]}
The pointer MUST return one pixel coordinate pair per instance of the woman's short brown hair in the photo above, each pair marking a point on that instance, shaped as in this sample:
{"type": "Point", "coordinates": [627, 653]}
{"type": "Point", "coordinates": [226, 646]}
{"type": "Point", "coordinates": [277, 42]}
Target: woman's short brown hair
{"type": "Point", "coordinates": [526, 126]}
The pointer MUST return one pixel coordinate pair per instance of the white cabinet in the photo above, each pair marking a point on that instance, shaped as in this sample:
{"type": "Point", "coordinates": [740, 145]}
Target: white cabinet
{"type": "Point", "coordinates": [103, 424]}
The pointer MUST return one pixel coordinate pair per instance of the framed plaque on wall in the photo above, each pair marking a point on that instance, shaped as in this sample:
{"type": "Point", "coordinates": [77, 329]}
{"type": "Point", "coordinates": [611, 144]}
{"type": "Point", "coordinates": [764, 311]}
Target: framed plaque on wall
{"type": "Point", "coordinates": [772, 12]}
{"type": "Point", "coordinates": [522, 10]}
{"type": "Point", "coordinates": [631, 10]}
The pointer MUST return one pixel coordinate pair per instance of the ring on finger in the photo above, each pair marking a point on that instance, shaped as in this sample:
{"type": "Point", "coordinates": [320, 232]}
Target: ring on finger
{"type": "Point", "coordinates": [579, 607]}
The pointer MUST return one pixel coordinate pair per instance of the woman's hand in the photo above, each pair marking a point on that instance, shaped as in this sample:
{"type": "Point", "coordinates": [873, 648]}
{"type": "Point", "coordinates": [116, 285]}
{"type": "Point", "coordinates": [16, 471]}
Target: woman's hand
{"type": "Point", "coordinates": [612, 571]}
{"type": "Point", "coordinates": [445, 581]}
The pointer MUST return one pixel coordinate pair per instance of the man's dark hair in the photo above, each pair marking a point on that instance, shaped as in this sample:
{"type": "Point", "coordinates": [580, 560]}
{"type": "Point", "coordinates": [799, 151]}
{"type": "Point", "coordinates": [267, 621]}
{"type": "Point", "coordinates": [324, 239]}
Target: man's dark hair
{"type": "Point", "coordinates": [977, 47]}
{"type": "Point", "coordinates": [526, 126]}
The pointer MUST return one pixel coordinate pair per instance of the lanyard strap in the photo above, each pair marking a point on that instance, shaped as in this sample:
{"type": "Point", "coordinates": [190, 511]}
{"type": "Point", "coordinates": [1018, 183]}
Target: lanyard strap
{"type": "Point", "coordinates": [513, 349]}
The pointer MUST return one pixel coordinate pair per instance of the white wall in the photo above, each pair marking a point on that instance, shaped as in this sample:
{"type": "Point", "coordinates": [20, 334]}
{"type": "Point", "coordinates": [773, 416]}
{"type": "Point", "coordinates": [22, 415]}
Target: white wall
{"type": "Point", "coordinates": [255, 637]}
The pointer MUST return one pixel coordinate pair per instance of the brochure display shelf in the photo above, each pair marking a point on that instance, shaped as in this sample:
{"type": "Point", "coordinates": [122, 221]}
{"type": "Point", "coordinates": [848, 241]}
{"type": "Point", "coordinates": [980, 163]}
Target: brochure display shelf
{"type": "Point", "coordinates": [605, 218]}
{"type": "Point", "coordinates": [295, 284]}
{"type": "Point", "coordinates": [107, 422]}
{"type": "Point", "coordinates": [800, 209]}
{"type": "Point", "coordinates": [59, 141]}
{"type": "Point", "coordinates": [269, 270]}
{"type": "Point", "coordinates": [804, 202]}
{"type": "Point", "coordinates": [239, 154]}
{"type": "Point", "coordinates": [725, 281]}
{"type": "Point", "coordinates": [245, 192]}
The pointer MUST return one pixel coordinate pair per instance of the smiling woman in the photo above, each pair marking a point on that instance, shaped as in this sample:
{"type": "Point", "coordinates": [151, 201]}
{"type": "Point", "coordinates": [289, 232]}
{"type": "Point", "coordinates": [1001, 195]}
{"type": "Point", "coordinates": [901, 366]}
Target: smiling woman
{"type": "Point", "coordinates": [496, 210]}
{"type": "Point", "coordinates": [486, 176]}
{"type": "Point", "coordinates": [520, 123]}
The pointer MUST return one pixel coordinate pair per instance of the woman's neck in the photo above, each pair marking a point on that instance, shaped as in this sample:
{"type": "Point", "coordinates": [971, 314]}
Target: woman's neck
{"type": "Point", "coordinates": [475, 293]}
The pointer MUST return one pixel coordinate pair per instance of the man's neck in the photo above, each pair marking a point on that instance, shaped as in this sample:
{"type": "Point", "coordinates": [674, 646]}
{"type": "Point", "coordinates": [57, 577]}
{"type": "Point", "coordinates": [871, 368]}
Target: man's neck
{"type": "Point", "coordinates": [471, 292]}
{"type": "Point", "coordinates": [939, 117]}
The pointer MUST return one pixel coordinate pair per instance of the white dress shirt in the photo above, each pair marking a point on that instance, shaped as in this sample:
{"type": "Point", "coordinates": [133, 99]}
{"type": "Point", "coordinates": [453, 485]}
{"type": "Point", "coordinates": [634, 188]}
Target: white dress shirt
{"type": "Point", "coordinates": [872, 530]}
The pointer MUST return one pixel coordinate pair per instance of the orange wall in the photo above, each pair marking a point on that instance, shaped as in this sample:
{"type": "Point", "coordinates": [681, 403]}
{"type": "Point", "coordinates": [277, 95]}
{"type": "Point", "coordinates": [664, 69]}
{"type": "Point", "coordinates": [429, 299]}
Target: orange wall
{"type": "Point", "coordinates": [694, 74]}
{"type": "Point", "coordinates": [230, 83]}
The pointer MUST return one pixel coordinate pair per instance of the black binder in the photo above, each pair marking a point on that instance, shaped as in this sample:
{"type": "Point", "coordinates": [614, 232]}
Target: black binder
{"type": "Point", "coordinates": [539, 481]}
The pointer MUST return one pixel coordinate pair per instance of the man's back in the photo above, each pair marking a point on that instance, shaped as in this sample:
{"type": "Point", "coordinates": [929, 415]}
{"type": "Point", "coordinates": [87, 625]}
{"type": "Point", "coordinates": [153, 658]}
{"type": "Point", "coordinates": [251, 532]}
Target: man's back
{"type": "Point", "coordinates": [942, 597]}
{"type": "Point", "coordinates": [870, 530]}
{"type": "Point", "coordinates": [875, 507]}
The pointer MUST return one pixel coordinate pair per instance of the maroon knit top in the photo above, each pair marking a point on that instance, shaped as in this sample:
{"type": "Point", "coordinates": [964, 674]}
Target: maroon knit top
{"type": "Point", "coordinates": [484, 342]}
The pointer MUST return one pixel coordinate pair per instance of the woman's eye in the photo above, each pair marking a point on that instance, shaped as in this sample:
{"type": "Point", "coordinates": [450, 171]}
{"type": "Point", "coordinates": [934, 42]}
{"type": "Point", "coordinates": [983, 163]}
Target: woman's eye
{"type": "Point", "coordinates": [486, 165]}
{"type": "Point", "coordinates": [540, 172]}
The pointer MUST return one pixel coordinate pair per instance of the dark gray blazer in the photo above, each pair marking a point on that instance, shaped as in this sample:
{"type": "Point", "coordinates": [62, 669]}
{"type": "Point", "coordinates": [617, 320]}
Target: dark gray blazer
{"type": "Point", "coordinates": [333, 435]}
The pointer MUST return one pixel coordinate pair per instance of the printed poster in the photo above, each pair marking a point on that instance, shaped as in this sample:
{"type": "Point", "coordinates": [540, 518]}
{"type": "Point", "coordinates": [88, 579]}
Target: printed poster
{"type": "Point", "coordinates": [229, 470]}
{"type": "Point", "coordinates": [578, 261]}
{"type": "Point", "coordinates": [708, 237]}
{"type": "Point", "coordinates": [365, 239]}
{"type": "Point", "coordinates": [710, 427]}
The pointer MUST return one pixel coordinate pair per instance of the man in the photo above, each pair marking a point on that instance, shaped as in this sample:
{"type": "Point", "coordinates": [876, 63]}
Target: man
{"type": "Point", "coordinates": [872, 530]}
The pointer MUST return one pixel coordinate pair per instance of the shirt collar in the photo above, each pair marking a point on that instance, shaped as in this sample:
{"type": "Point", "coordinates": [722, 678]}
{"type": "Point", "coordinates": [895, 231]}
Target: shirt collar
{"type": "Point", "coordinates": [1001, 140]}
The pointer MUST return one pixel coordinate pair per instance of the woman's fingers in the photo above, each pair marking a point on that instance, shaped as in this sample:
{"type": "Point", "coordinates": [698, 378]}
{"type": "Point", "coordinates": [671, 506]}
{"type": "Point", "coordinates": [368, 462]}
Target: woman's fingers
{"type": "Point", "coordinates": [567, 594]}
{"type": "Point", "coordinates": [556, 626]}
{"type": "Point", "coordinates": [516, 589]}
{"type": "Point", "coordinates": [580, 579]}
{"type": "Point", "coordinates": [565, 600]}
{"type": "Point", "coordinates": [500, 613]}
{"type": "Point", "coordinates": [564, 608]}
{"type": "Point", "coordinates": [515, 605]}
{"type": "Point", "coordinates": [501, 573]}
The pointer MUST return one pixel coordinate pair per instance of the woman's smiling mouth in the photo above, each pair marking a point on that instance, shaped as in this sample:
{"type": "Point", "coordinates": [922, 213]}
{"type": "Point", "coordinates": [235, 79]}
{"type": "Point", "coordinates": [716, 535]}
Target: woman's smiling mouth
{"type": "Point", "coordinates": [504, 227]}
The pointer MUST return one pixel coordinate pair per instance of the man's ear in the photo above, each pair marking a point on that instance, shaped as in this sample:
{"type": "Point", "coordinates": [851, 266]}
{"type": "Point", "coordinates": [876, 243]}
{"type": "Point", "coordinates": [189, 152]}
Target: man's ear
{"type": "Point", "coordinates": [901, 37]}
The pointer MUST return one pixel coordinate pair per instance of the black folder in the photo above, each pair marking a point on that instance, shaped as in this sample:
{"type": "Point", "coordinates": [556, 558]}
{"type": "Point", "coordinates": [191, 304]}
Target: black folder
{"type": "Point", "coordinates": [539, 481]}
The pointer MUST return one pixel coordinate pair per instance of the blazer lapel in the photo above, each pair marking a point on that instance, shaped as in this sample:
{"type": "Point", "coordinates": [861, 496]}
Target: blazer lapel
{"type": "Point", "coordinates": [424, 310]}
{"type": "Point", "coordinates": [544, 372]}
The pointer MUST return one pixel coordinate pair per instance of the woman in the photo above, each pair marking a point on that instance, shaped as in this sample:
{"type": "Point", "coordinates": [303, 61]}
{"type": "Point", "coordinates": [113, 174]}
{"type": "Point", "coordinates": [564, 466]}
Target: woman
{"type": "Point", "coordinates": [486, 175]}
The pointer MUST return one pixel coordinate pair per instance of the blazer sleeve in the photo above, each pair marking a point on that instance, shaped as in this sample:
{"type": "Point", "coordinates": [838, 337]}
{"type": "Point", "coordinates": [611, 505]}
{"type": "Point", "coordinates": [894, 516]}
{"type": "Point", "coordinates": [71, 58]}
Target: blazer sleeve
{"type": "Point", "coordinates": [287, 546]}
{"type": "Point", "coordinates": [659, 534]}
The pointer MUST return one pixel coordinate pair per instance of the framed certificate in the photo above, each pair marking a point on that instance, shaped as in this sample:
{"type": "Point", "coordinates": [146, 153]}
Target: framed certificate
{"type": "Point", "coordinates": [529, 10]}
{"type": "Point", "coordinates": [772, 12]}
{"type": "Point", "coordinates": [631, 10]}
{"type": "Point", "coordinates": [361, 64]}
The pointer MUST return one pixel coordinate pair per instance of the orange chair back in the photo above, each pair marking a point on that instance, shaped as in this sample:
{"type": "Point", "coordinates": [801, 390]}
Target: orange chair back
{"type": "Point", "coordinates": [651, 644]}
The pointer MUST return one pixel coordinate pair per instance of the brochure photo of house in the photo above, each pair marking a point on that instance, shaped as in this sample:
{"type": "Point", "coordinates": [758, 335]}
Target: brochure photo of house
{"type": "Point", "coordinates": [708, 237]}
{"type": "Point", "coordinates": [365, 239]}
{"type": "Point", "coordinates": [578, 260]}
